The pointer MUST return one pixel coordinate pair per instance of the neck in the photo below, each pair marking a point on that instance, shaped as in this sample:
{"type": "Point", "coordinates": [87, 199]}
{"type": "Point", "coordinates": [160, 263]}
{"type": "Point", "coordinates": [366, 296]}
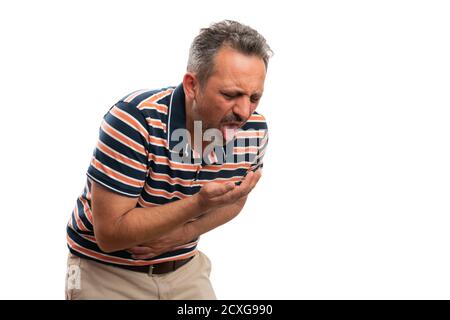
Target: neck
{"type": "Point", "coordinates": [190, 124]}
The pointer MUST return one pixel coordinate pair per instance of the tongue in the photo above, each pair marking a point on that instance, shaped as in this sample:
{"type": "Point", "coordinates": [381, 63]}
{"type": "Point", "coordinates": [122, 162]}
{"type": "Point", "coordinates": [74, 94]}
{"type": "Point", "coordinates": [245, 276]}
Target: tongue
{"type": "Point", "coordinates": [229, 132]}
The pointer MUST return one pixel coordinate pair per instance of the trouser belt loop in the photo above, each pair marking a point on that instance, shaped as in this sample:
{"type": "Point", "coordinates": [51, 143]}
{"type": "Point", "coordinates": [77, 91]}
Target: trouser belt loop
{"type": "Point", "coordinates": [150, 270]}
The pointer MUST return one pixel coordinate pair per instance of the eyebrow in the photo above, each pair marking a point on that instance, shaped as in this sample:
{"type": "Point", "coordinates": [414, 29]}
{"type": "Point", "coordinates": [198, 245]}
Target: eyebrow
{"type": "Point", "coordinates": [240, 92]}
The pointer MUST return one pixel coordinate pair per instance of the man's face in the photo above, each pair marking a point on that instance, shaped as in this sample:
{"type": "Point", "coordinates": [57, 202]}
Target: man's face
{"type": "Point", "coordinates": [232, 92]}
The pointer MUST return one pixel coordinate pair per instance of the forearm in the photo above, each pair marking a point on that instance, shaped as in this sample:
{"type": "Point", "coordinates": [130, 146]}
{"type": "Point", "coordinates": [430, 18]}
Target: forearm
{"type": "Point", "coordinates": [141, 225]}
{"type": "Point", "coordinates": [119, 225]}
{"type": "Point", "coordinates": [214, 219]}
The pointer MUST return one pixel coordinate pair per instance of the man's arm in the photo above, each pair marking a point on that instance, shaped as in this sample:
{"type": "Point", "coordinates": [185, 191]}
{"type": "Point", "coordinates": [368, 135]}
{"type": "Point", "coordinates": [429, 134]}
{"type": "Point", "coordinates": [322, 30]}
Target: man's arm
{"type": "Point", "coordinates": [119, 225]}
{"type": "Point", "coordinates": [189, 231]}
{"type": "Point", "coordinates": [214, 219]}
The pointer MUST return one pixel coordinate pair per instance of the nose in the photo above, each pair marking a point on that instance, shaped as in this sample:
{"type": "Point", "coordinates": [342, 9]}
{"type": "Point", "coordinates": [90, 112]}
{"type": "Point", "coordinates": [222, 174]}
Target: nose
{"type": "Point", "coordinates": [243, 108]}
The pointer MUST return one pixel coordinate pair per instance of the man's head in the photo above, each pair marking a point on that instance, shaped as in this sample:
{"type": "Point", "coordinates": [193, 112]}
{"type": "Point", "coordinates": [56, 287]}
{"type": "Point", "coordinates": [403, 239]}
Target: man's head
{"type": "Point", "coordinates": [225, 75]}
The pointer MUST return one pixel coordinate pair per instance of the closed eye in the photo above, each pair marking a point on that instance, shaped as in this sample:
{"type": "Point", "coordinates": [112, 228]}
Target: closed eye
{"type": "Point", "coordinates": [255, 99]}
{"type": "Point", "coordinates": [229, 96]}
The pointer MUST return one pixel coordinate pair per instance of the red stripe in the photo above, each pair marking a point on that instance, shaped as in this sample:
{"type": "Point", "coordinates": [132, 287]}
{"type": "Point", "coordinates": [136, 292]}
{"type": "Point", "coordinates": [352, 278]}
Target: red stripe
{"type": "Point", "coordinates": [116, 175]}
{"type": "Point", "coordinates": [80, 223]}
{"type": "Point", "coordinates": [171, 164]}
{"type": "Point", "coordinates": [125, 117]}
{"type": "Point", "coordinates": [156, 123]}
{"type": "Point", "coordinates": [164, 193]}
{"type": "Point", "coordinates": [114, 133]}
{"type": "Point", "coordinates": [116, 260]}
{"type": "Point", "coordinates": [87, 210]}
{"type": "Point", "coordinates": [120, 157]}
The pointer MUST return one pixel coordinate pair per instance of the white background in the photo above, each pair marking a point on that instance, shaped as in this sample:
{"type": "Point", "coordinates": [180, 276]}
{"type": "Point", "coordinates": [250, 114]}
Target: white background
{"type": "Point", "coordinates": [354, 200]}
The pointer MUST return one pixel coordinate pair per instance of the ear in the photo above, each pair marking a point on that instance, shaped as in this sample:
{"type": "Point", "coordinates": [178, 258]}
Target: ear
{"type": "Point", "coordinates": [190, 85]}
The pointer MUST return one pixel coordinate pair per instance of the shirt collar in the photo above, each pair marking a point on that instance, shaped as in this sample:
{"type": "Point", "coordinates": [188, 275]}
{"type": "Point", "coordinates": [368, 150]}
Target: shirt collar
{"type": "Point", "coordinates": [177, 114]}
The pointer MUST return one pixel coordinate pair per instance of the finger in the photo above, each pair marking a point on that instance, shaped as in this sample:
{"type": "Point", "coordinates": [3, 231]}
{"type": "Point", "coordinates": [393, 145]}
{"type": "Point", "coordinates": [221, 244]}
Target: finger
{"type": "Point", "coordinates": [239, 191]}
{"type": "Point", "coordinates": [143, 256]}
{"type": "Point", "coordinates": [248, 184]}
{"type": "Point", "coordinates": [152, 254]}
{"type": "Point", "coordinates": [140, 250]}
{"type": "Point", "coordinates": [248, 179]}
{"type": "Point", "coordinates": [214, 189]}
{"type": "Point", "coordinates": [256, 178]}
{"type": "Point", "coordinates": [234, 195]}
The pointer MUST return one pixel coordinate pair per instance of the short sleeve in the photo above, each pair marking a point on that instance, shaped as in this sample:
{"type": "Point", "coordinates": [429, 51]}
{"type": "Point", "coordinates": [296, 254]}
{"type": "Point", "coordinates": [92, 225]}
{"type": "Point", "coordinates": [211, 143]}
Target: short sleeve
{"type": "Point", "coordinates": [119, 161]}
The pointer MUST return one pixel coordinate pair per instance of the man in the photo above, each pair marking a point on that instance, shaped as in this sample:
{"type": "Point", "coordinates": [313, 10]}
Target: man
{"type": "Point", "coordinates": [158, 180]}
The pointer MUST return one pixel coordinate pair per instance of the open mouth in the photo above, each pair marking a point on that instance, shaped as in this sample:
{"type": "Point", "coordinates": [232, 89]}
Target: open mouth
{"type": "Point", "coordinates": [229, 131]}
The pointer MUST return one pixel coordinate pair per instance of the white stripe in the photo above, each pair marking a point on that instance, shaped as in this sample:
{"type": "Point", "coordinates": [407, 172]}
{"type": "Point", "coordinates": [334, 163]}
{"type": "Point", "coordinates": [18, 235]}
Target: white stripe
{"type": "Point", "coordinates": [130, 124]}
{"type": "Point", "coordinates": [138, 164]}
{"type": "Point", "coordinates": [124, 136]}
{"type": "Point", "coordinates": [133, 95]}
{"type": "Point", "coordinates": [155, 102]}
{"type": "Point", "coordinates": [170, 196]}
{"type": "Point", "coordinates": [139, 182]}
{"type": "Point", "coordinates": [109, 187]}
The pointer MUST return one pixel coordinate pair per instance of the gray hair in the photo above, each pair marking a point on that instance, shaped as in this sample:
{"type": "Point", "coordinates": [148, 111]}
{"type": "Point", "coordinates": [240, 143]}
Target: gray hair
{"type": "Point", "coordinates": [224, 33]}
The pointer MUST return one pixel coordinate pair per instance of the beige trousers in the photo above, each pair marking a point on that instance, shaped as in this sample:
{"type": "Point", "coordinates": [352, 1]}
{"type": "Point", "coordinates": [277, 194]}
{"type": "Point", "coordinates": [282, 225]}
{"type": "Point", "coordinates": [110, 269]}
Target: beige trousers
{"type": "Point", "coordinates": [87, 279]}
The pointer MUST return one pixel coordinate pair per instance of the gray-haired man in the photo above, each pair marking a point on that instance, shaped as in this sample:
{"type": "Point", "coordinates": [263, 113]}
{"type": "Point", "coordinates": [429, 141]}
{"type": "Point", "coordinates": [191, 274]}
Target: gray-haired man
{"type": "Point", "coordinates": [158, 180]}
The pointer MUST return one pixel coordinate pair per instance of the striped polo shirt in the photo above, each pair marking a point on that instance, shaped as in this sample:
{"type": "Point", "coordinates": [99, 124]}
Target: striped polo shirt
{"type": "Point", "coordinates": [138, 155]}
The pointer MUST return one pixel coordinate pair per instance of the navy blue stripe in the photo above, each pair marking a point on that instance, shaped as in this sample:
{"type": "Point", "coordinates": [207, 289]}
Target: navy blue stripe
{"type": "Point", "coordinates": [205, 175]}
{"type": "Point", "coordinates": [157, 184]}
{"type": "Point", "coordinates": [82, 216]}
{"type": "Point", "coordinates": [251, 125]}
{"type": "Point", "coordinates": [126, 130]}
{"type": "Point", "coordinates": [157, 132]}
{"type": "Point", "coordinates": [173, 253]}
{"type": "Point", "coordinates": [159, 151]}
{"type": "Point", "coordinates": [132, 111]}
{"type": "Point", "coordinates": [154, 115]}
{"type": "Point", "coordinates": [75, 229]}
{"type": "Point", "coordinates": [122, 253]}
{"type": "Point", "coordinates": [121, 148]}
{"type": "Point", "coordinates": [173, 173]}
{"type": "Point", "coordinates": [157, 199]}
{"type": "Point", "coordinates": [114, 185]}
{"type": "Point", "coordinates": [165, 255]}
{"type": "Point", "coordinates": [166, 100]}
{"type": "Point", "coordinates": [87, 233]}
{"type": "Point", "coordinates": [75, 237]}
{"type": "Point", "coordinates": [74, 221]}
{"type": "Point", "coordinates": [118, 166]}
